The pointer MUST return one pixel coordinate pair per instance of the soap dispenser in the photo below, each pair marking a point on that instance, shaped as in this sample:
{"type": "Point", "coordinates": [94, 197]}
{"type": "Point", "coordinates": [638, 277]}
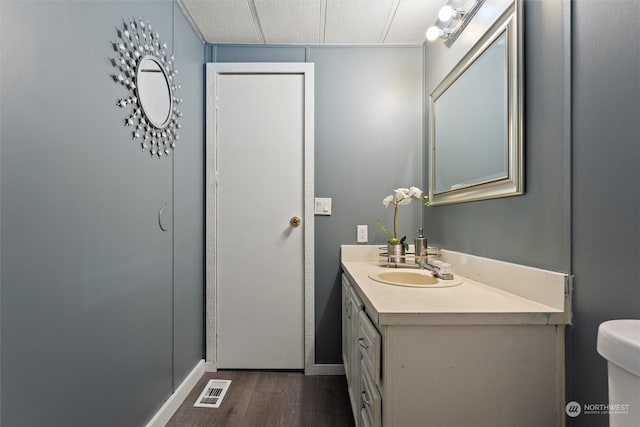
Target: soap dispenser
{"type": "Point", "coordinates": [420, 247]}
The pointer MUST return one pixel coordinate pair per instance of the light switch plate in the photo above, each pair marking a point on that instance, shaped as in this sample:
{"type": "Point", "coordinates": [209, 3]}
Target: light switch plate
{"type": "Point", "coordinates": [362, 234]}
{"type": "Point", "coordinates": [322, 206]}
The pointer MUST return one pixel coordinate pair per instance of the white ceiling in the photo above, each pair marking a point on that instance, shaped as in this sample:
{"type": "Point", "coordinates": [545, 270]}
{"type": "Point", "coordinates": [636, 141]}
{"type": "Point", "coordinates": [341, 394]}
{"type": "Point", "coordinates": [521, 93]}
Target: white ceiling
{"type": "Point", "coordinates": [313, 21]}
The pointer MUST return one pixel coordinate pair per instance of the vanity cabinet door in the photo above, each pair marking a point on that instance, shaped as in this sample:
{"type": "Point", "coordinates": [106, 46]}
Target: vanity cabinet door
{"type": "Point", "coordinates": [351, 307]}
{"type": "Point", "coordinates": [347, 306]}
{"type": "Point", "coordinates": [371, 403]}
{"type": "Point", "coordinates": [369, 342]}
{"type": "Point", "coordinates": [354, 348]}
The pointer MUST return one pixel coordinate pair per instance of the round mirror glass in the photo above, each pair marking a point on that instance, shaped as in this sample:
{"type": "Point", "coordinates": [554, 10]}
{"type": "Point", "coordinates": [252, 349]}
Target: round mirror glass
{"type": "Point", "coordinates": [154, 91]}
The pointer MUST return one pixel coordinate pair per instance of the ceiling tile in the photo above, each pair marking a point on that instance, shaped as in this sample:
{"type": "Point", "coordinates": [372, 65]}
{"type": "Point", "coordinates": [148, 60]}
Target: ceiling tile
{"type": "Point", "coordinates": [357, 21]}
{"type": "Point", "coordinates": [313, 21]}
{"type": "Point", "coordinates": [289, 21]}
{"type": "Point", "coordinates": [223, 21]}
{"type": "Point", "coordinates": [411, 21]}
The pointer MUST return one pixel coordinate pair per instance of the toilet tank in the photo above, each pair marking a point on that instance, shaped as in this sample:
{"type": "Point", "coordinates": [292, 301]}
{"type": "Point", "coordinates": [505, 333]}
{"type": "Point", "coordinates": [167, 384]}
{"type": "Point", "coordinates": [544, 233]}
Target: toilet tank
{"type": "Point", "coordinates": [619, 343]}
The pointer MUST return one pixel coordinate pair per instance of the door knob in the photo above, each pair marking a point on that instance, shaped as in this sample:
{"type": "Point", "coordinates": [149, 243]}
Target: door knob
{"type": "Point", "coordinates": [295, 221]}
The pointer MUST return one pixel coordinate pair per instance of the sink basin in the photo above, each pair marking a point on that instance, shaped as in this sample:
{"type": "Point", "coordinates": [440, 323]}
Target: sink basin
{"type": "Point", "coordinates": [412, 278]}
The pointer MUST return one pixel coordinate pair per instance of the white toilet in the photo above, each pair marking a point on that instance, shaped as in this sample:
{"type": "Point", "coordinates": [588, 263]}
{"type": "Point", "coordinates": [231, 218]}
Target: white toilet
{"type": "Point", "coordinates": [619, 343]}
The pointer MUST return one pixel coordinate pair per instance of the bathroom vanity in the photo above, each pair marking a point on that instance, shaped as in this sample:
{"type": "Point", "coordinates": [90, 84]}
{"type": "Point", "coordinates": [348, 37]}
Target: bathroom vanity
{"type": "Point", "coordinates": [489, 352]}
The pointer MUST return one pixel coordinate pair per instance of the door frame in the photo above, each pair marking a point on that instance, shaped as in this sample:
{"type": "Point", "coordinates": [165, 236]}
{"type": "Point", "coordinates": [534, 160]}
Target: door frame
{"type": "Point", "coordinates": [212, 71]}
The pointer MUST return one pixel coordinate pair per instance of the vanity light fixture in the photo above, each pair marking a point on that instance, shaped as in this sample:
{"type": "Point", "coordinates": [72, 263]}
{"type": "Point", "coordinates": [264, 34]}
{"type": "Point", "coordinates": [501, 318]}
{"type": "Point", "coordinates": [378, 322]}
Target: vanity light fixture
{"type": "Point", "coordinates": [452, 21]}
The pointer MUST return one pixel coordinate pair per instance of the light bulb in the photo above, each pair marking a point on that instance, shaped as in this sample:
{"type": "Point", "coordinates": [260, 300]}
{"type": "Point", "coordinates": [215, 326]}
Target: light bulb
{"type": "Point", "coordinates": [447, 13]}
{"type": "Point", "coordinates": [436, 32]}
{"type": "Point", "coordinates": [433, 33]}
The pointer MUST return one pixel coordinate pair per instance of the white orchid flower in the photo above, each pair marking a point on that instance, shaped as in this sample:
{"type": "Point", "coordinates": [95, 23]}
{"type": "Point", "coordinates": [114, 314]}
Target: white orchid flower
{"type": "Point", "coordinates": [401, 193]}
{"type": "Point", "coordinates": [387, 200]}
{"type": "Point", "coordinates": [402, 196]}
{"type": "Point", "coordinates": [415, 192]}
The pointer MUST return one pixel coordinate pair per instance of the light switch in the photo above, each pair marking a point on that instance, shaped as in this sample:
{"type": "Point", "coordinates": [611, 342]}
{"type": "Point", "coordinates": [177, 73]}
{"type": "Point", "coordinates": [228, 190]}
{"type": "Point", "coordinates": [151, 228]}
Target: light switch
{"type": "Point", "coordinates": [326, 207]}
{"type": "Point", "coordinates": [322, 206]}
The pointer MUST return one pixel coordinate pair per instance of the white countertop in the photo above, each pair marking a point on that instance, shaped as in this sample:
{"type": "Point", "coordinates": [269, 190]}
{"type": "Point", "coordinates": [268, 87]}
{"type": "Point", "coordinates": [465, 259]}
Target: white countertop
{"type": "Point", "coordinates": [471, 302]}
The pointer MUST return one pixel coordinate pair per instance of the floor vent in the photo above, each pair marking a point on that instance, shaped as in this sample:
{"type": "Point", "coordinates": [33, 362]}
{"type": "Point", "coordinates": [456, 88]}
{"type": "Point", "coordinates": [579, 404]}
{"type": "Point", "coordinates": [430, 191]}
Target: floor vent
{"type": "Point", "coordinates": [213, 393]}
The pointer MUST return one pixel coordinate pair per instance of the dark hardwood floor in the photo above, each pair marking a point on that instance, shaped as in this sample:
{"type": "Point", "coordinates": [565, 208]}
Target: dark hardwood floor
{"type": "Point", "coordinates": [266, 399]}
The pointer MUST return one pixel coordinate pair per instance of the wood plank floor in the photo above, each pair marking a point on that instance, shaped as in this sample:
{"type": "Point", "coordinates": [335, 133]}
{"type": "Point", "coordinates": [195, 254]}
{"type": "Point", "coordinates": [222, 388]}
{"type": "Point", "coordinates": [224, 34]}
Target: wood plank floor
{"type": "Point", "coordinates": [266, 399]}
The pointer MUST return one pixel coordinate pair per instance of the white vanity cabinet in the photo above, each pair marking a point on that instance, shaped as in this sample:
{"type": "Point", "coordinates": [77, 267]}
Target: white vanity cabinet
{"type": "Point", "coordinates": [438, 363]}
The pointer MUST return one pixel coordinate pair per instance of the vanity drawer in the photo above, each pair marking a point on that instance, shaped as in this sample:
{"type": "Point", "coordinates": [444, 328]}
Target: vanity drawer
{"type": "Point", "coordinates": [371, 404]}
{"type": "Point", "coordinates": [369, 341]}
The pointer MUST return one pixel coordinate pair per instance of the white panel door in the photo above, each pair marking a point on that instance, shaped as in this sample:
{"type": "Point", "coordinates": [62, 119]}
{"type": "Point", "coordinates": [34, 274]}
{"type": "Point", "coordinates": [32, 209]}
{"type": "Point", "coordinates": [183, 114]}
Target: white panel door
{"type": "Point", "coordinates": [260, 255]}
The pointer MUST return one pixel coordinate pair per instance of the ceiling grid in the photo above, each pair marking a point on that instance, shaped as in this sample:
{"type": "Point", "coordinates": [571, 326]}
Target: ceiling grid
{"type": "Point", "coordinates": [323, 20]}
{"type": "Point", "coordinates": [256, 21]}
{"type": "Point", "coordinates": [389, 21]}
{"type": "Point", "coordinates": [312, 22]}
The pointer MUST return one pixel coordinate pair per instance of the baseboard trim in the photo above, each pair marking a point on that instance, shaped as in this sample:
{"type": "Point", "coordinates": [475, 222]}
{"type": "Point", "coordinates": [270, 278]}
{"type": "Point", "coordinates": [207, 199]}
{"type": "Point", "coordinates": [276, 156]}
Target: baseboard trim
{"type": "Point", "coordinates": [325, 369]}
{"type": "Point", "coordinates": [164, 414]}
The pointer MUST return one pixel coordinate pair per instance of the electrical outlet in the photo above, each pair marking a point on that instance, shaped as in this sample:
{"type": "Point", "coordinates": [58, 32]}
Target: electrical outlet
{"type": "Point", "coordinates": [363, 234]}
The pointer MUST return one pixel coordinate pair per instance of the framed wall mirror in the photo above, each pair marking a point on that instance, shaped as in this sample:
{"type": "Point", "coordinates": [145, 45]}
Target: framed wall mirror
{"type": "Point", "coordinates": [475, 120]}
{"type": "Point", "coordinates": [145, 68]}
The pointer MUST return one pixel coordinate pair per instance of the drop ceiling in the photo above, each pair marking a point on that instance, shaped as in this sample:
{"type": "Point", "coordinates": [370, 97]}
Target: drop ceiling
{"type": "Point", "coordinates": [312, 21]}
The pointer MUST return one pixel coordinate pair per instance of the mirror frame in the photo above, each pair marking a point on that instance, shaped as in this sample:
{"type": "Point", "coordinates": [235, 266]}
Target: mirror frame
{"type": "Point", "coordinates": [136, 42]}
{"type": "Point", "coordinates": [513, 184]}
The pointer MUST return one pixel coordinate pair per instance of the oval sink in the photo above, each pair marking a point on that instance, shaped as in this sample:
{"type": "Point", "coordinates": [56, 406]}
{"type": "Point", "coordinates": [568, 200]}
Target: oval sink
{"type": "Point", "coordinates": [412, 278]}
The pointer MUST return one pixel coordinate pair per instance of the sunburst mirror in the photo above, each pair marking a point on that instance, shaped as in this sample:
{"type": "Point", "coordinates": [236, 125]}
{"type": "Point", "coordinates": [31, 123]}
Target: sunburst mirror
{"type": "Point", "coordinates": [144, 68]}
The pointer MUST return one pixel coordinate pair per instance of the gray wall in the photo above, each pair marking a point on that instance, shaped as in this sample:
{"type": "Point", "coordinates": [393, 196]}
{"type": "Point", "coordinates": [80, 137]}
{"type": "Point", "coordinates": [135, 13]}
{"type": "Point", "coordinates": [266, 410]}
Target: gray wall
{"type": "Point", "coordinates": [532, 229]}
{"type": "Point", "coordinates": [368, 141]}
{"type": "Point", "coordinates": [580, 209]}
{"type": "Point", "coordinates": [606, 191]}
{"type": "Point", "coordinates": [93, 306]}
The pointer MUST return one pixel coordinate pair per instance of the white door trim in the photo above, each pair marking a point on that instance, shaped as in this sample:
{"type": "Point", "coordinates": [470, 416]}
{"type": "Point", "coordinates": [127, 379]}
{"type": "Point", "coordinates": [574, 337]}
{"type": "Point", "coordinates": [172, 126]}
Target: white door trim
{"type": "Point", "coordinates": [307, 70]}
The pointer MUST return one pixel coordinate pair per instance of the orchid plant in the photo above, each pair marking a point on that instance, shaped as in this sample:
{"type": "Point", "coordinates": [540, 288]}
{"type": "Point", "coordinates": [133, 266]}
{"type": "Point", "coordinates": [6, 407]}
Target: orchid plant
{"type": "Point", "coordinates": [402, 196]}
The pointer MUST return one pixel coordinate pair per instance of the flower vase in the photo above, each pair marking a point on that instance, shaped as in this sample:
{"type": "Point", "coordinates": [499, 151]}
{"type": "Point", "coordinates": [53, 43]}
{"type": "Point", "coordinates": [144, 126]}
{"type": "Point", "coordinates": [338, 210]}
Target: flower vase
{"type": "Point", "coordinates": [396, 253]}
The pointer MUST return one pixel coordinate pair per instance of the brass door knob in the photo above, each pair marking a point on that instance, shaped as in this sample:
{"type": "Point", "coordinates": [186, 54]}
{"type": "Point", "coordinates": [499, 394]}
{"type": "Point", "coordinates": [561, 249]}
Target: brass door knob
{"type": "Point", "coordinates": [295, 221]}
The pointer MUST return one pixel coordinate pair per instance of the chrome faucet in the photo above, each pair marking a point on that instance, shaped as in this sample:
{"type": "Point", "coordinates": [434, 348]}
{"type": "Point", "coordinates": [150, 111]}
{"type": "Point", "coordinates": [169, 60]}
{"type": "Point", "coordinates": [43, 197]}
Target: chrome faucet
{"type": "Point", "coordinates": [440, 271]}
{"type": "Point", "coordinates": [436, 270]}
